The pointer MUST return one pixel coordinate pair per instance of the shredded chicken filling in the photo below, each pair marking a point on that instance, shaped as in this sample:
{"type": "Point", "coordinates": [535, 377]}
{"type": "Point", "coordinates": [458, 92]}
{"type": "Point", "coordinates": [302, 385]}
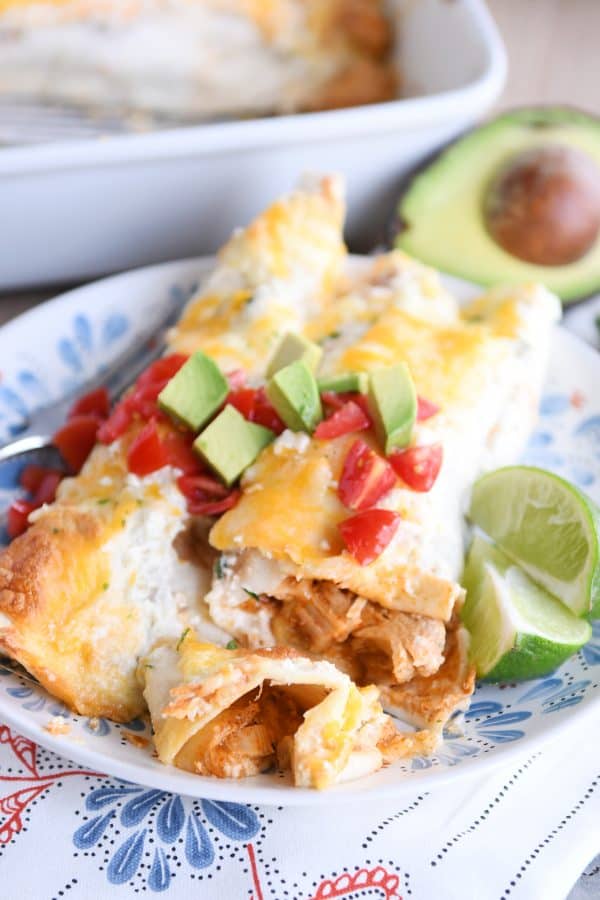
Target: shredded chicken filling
{"type": "Point", "coordinates": [250, 736]}
{"type": "Point", "coordinates": [372, 644]}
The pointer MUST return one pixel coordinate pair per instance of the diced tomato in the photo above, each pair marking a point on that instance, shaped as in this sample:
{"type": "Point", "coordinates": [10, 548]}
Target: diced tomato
{"type": "Point", "coordinates": [142, 399]}
{"type": "Point", "coordinates": [255, 406]}
{"type": "Point", "coordinates": [96, 403]}
{"type": "Point", "coordinates": [236, 379]}
{"type": "Point", "coordinates": [333, 399]}
{"type": "Point", "coordinates": [337, 401]}
{"type": "Point", "coordinates": [367, 534]}
{"type": "Point", "coordinates": [180, 454]}
{"type": "Point", "coordinates": [147, 453]}
{"type": "Point", "coordinates": [162, 369]}
{"type": "Point", "coordinates": [16, 517]}
{"type": "Point", "coordinates": [345, 420]}
{"type": "Point", "coordinates": [76, 439]}
{"type": "Point", "coordinates": [213, 507]}
{"type": "Point", "coordinates": [201, 487]}
{"type": "Point", "coordinates": [206, 495]}
{"type": "Point", "coordinates": [265, 414]}
{"type": "Point", "coordinates": [243, 399]}
{"type": "Point", "coordinates": [426, 409]}
{"type": "Point", "coordinates": [117, 423]}
{"type": "Point", "coordinates": [32, 476]}
{"type": "Point", "coordinates": [46, 491]}
{"type": "Point", "coordinates": [365, 478]}
{"type": "Point", "coordinates": [418, 467]}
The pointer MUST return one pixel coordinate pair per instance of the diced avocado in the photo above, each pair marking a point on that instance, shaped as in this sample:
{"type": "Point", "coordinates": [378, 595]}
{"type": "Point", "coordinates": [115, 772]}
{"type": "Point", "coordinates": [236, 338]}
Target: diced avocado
{"type": "Point", "coordinates": [345, 382]}
{"type": "Point", "coordinates": [195, 393]}
{"type": "Point", "coordinates": [294, 393]}
{"type": "Point", "coordinates": [393, 405]}
{"type": "Point", "coordinates": [230, 444]}
{"type": "Point", "coordinates": [291, 348]}
{"type": "Point", "coordinates": [516, 200]}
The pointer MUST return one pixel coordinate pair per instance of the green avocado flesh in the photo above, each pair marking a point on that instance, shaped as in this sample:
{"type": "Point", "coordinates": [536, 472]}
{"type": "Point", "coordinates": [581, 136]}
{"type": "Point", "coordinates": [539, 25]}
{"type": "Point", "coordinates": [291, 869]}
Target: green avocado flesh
{"type": "Point", "coordinates": [440, 217]}
{"type": "Point", "coordinates": [294, 393]}
{"type": "Point", "coordinates": [195, 393]}
{"type": "Point", "coordinates": [230, 444]}
{"type": "Point", "coordinates": [393, 406]}
{"type": "Point", "coordinates": [345, 382]}
{"type": "Point", "coordinates": [293, 347]}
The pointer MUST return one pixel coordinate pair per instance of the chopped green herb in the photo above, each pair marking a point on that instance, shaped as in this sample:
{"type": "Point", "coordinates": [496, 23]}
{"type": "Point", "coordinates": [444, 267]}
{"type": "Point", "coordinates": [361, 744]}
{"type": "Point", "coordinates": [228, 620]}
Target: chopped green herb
{"type": "Point", "coordinates": [148, 666]}
{"type": "Point", "coordinates": [219, 567]}
{"type": "Point", "coordinates": [105, 586]}
{"type": "Point", "coordinates": [103, 500]}
{"type": "Point", "coordinates": [251, 593]}
{"type": "Point", "coordinates": [597, 324]}
{"type": "Point", "coordinates": [123, 523]}
{"type": "Point", "coordinates": [330, 337]}
{"type": "Point", "coordinates": [182, 638]}
{"type": "Point", "coordinates": [56, 531]}
{"type": "Point", "coordinates": [232, 645]}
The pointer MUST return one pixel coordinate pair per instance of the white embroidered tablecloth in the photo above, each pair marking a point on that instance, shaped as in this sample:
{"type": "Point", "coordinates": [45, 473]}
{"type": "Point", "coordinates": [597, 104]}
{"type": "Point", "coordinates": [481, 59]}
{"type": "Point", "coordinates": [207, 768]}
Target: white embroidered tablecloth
{"type": "Point", "coordinates": [522, 833]}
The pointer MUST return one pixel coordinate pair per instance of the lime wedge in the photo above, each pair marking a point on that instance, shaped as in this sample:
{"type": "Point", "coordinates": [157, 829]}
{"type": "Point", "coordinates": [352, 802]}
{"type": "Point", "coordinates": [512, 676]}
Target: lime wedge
{"type": "Point", "coordinates": [518, 630]}
{"type": "Point", "coordinates": [548, 527]}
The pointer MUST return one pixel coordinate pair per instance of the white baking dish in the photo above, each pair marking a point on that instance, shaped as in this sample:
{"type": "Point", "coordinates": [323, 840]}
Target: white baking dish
{"type": "Point", "coordinates": [76, 210]}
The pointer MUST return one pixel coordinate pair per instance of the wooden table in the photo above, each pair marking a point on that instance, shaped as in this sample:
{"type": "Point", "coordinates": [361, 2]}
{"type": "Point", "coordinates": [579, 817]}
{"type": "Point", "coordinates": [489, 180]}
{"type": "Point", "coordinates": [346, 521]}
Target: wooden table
{"type": "Point", "coordinates": [553, 51]}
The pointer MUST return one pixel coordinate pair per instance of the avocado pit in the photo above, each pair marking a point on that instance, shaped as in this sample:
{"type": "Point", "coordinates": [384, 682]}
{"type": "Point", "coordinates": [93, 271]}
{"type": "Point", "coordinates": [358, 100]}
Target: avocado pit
{"type": "Point", "coordinates": [544, 205]}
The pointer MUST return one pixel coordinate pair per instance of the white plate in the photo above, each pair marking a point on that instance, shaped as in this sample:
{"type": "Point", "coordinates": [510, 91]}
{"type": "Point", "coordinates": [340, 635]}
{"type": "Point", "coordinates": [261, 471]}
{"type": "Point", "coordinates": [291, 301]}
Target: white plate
{"type": "Point", "coordinates": [52, 347]}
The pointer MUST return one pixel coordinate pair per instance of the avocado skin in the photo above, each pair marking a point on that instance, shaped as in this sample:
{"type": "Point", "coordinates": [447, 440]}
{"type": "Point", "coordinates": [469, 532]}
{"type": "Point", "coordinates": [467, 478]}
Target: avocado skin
{"type": "Point", "coordinates": [478, 258]}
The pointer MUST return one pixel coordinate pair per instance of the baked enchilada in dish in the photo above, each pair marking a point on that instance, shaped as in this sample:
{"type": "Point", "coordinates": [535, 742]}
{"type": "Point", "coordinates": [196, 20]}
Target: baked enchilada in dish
{"type": "Point", "coordinates": [197, 58]}
{"type": "Point", "coordinates": [264, 547]}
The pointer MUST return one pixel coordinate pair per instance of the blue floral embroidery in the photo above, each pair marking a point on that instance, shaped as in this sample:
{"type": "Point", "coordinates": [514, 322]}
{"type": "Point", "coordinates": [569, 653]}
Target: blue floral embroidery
{"type": "Point", "coordinates": [167, 817]}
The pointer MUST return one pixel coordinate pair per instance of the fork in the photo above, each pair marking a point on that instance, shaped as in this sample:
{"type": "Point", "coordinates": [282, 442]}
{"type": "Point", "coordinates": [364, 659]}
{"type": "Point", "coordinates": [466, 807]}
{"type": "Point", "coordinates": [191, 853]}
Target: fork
{"type": "Point", "coordinates": [34, 441]}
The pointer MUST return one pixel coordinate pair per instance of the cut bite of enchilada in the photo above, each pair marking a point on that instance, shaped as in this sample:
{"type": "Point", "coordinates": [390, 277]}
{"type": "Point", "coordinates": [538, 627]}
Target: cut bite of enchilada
{"type": "Point", "coordinates": [116, 562]}
{"type": "Point", "coordinates": [235, 713]}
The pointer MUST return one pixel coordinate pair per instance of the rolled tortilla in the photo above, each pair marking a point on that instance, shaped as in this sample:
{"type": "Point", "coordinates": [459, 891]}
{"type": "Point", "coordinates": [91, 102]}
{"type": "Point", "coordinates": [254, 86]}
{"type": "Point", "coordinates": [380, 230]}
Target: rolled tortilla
{"type": "Point", "coordinates": [285, 576]}
{"type": "Point", "coordinates": [235, 713]}
{"type": "Point", "coordinates": [116, 563]}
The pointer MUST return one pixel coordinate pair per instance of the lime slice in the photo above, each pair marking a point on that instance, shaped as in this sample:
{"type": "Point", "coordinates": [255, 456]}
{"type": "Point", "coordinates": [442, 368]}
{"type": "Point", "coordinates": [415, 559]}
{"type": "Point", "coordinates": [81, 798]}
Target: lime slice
{"type": "Point", "coordinates": [518, 630]}
{"type": "Point", "coordinates": [548, 527]}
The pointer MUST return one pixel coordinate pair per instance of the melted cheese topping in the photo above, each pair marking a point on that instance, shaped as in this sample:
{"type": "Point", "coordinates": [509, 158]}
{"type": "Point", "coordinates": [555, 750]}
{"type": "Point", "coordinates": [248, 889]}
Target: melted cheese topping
{"type": "Point", "coordinates": [290, 510]}
{"type": "Point", "coordinates": [272, 277]}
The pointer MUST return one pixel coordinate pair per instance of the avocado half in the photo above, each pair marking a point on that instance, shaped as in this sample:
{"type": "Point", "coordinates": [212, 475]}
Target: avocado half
{"type": "Point", "coordinates": [515, 200]}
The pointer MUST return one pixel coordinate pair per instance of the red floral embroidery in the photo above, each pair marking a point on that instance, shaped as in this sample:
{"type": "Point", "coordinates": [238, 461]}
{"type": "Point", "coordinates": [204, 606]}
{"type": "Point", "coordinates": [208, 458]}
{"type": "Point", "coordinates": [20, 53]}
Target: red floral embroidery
{"type": "Point", "coordinates": [13, 805]}
{"type": "Point", "coordinates": [346, 884]}
{"type": "Point", "coordinates": [342, 885]}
